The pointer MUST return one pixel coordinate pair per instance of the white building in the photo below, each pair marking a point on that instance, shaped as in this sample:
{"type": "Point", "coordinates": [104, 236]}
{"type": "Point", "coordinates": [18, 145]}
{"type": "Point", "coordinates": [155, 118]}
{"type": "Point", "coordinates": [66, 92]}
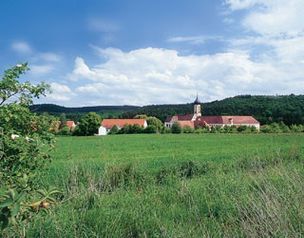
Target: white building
{"type": "Point", "coordinates": [107, 124]}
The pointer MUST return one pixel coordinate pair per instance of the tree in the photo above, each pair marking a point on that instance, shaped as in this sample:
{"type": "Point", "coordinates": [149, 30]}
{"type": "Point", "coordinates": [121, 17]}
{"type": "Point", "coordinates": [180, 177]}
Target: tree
{"type": "Point", "coordinates": [88, 124]}
{"type": "Point", "coordinates": [114, 130]}
{"type": "Point", "coordinates": [141, 116]}
{"type": "Point", "coordinates": [12, 91]}
{"type": "Point", "coordinates": [63, 120]}
{"type": "Point", "coordinates": [24, 146]}
{"type": "Point", "coordinates": [176, 128]}
{"type": "Point", "coordinates": [153, 121]}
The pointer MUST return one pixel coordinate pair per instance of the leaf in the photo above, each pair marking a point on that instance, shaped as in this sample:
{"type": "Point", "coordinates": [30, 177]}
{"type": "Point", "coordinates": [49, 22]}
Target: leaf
{"type": "Point", "coordinates": [15, 209]}
{"type": "Point", "coordinates": [8, 202]}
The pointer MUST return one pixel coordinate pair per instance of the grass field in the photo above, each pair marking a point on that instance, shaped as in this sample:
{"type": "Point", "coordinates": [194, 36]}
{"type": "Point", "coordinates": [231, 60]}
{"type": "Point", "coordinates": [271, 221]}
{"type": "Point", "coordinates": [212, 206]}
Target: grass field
{"type": "Point", "coordinates": [213, 185]}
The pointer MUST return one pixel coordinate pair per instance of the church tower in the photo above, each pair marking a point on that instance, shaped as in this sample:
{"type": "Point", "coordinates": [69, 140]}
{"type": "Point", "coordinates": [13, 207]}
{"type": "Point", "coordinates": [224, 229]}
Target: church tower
{"type": "Point", "coordinates": [197, 107]}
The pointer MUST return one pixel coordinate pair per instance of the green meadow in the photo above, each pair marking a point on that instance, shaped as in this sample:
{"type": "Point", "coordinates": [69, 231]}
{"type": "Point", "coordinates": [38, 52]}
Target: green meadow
{"type": "Point", "coordinates": [186, 185]}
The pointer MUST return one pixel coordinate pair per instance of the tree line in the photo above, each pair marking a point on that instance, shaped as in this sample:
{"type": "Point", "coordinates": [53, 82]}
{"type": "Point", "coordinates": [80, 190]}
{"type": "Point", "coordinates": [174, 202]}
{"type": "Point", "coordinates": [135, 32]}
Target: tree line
{"type": "Point", "coordinates": [266, 109]}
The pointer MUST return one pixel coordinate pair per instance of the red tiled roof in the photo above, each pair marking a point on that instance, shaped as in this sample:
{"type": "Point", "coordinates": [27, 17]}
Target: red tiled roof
{"type": "Point", "coordinates": [70, 124]}
{"type": "Point", "coordinates": [222, 120]}
{"type": "Point", "coordinates": [240, 120]}
{"type": "Point", "coordinates": [109, 123]}
{"type": "Point", "coordinates": [187, 117]}
{"type": "Point", "coordinates": [210, 119]}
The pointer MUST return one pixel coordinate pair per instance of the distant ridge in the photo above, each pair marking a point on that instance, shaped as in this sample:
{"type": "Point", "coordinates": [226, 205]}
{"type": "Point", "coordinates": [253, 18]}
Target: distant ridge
{"type": "Point", "coordinates": [53, 108]}
{"type": "Point", "coordinates": [266, 109]}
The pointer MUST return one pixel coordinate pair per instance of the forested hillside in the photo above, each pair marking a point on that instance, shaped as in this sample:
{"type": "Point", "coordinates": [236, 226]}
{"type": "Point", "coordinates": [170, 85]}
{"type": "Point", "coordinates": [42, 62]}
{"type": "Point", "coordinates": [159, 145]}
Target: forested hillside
{"type": "Point", "coordinates": [75, 113]}
{"type": "Point", "coordinates": [267, 109]}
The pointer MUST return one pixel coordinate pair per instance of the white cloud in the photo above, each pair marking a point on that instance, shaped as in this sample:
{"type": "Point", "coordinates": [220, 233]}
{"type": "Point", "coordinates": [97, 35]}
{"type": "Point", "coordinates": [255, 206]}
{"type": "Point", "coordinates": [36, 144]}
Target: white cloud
{"type": "Point", "coordinates": [155, 75]}
{"type": "Point", "coordinates": [41, 69]}
{"type": "Point", "coordinates": [195, 40]}
{"type": "Point", "coordinates": [243, 4]}
{"type": "Point", "coordinates": [81, 71]}
{"type": "Point", "coordinates": [271, 17]}
{"type": "Point", "coordinates": [49, 56]}
{"type": "Point", "coordinates": [60, 92]}
{"type": "Point", "coordinates": [21, 47]}
{"type": "Point", "coordinates": [277, 39]}
{"type": "Point", "coordinates": [282, 18]}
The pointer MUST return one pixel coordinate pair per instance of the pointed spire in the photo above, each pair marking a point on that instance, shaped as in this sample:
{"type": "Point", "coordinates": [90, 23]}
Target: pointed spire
{"type": "Point", "coordinates": [197, 101]}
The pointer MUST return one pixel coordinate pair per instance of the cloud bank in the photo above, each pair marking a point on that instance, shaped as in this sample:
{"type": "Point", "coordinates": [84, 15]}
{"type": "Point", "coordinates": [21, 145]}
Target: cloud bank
{"type": "Point", "coordinates": [268, 58]}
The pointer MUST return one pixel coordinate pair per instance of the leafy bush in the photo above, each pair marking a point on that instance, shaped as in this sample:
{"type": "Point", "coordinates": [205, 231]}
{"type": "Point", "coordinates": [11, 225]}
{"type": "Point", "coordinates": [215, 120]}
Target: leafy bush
{"type": "Point", "coordinates": [166, 130]}
{"type": "Point", "coordinates": [176, 128]}
{"type": "Point", "coordinates": [150, 129]}
{"type": "Point", "coordinates": [114, 130]}
{"type": "Point", "coordinates": [24, 145]}
{"type": "Point", "coordinates": [188, 129]}
{"type": "Point", "coordinates": [64, 131]}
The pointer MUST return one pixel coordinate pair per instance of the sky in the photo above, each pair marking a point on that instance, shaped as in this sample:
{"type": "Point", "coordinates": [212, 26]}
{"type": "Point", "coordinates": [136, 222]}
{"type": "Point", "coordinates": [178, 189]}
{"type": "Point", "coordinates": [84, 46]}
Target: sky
{"type": "Point", "coordinates": [140, 52]}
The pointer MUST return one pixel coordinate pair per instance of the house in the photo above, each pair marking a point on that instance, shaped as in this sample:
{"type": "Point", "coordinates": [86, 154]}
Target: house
{"type": "Point", "coordinates": [70, 124]}
{"type": "Point", "coordinates": [107, 124]}
{"type": "Point", "coordinates": [197, 120]}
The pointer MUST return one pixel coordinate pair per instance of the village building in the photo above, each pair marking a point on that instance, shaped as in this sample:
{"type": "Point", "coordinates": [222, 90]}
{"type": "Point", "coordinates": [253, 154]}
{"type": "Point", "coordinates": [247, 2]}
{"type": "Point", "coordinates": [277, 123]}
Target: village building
{"type": "Point", "coordinates": [107, 124]}
{"type": "Point", "coordinates": [196, 119]}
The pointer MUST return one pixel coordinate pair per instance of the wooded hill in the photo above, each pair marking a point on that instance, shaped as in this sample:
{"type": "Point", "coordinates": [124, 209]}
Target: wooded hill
{"type": "Point", "coordinates": [266, 109]}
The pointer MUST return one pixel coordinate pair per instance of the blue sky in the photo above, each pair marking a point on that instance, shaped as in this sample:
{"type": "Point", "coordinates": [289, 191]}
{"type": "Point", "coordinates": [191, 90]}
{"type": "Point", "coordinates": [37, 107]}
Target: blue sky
{"type": "Point", "coordinates": [116, 52]}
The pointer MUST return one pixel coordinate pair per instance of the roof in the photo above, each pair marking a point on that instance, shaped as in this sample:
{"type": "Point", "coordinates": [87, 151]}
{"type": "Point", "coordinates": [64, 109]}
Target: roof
{"type": "Point", "coordinates": [235, 120]}
{"type": "Point", "coordinates": [109, 123]}
{"type": "Point", "coordinates": [240, 119]}
{"type": "Point", "coordinates": [70, 124]}
{"type": "Point", "coordinates": [187, 117]}
{"type": "Point", "coordinates": [197, 101]}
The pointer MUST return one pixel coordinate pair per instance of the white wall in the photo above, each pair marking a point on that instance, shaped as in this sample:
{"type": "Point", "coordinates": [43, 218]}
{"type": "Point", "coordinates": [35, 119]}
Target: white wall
{"type": "Point", "coordinates": [102, 131]}
{"type": "Point", "coordinates": [168, 124]}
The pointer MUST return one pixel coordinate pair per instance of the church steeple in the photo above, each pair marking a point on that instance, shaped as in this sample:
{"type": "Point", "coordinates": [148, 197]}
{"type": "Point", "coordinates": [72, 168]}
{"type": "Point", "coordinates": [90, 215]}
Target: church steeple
{"type": "Point", "coordinates": [196, 101]}
{"type": "Point", "coordinates": [197, 107]}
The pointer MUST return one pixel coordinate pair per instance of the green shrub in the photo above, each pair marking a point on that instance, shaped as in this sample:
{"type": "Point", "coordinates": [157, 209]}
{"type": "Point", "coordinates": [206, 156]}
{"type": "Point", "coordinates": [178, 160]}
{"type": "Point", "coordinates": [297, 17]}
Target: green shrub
{"type": "Point", "coordinates": [150, 129]}
{"type": "Point", "coordinates": [65, 131]}
{"type": "Point", "coordinates": [166, 130]}
{"type": "Point", "coordinates": [25, 143]}
{"type": "Point", "coordinates": [176, 128]}
{"type": "Point", "coordinates": [114, 130]}
{"type": "Point", "coordinates": [188, 129]}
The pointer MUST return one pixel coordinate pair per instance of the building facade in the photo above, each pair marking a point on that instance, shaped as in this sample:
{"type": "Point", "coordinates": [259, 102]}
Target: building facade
{"type": "Point", "coordinates": [196, 119]}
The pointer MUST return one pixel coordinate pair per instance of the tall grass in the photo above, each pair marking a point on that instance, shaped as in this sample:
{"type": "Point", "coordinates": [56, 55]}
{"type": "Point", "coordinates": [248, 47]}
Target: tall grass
{"type": "Point", "coordinates": [243, 193]}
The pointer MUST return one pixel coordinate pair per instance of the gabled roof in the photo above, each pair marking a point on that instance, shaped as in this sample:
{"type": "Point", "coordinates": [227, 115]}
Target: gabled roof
{"type": "Point", "coordinates": [187, 117]}
{"type": "Point", "coordinates": [210, 119]}
{"type": "Point", "coordinates": [240, 119]}
{"type": "Point", "coordinates": [70, 124]}
{"type": "Point", "coordinates": [235, 120]}
{"type": "Point", "coordinates": [109, 123]}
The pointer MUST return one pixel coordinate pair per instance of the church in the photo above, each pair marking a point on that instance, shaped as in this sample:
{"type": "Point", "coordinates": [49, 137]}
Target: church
{"type": "Point", "coordinates": [197, 120]}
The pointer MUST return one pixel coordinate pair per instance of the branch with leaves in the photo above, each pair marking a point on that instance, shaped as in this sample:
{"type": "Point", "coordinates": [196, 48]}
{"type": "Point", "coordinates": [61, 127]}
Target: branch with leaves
{"type": "Point", "coordinates": [24, 149]}
{"type": "Point", "coordinates": [13, 91]}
